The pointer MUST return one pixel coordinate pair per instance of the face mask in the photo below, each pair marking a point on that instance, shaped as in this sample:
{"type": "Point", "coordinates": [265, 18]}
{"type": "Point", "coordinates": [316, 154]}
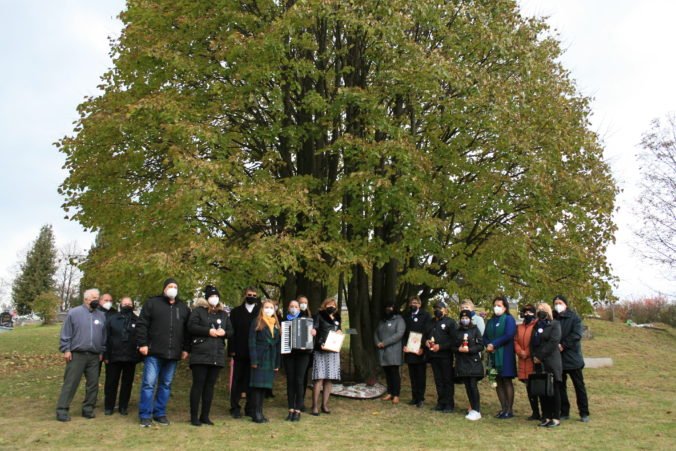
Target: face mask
{"type": "Point", "coordinates": [213, 301]}
{"type": "Point", "coordinates": [389, 312]}
{"type": "Point", "coordinates": [303, 307]}
{"type": "Point", "coordinates": [560, 308]}
{"type": "Point", "coordinates": [107, 305]}
{"type": "Point", "coordinates": [251, 299]}
{"type": "Point", "coordinates": [465, 321]}
{"type": "Point", "coordinates": [293, 311]}
{"type": "Point", "coordinates": [414, 310]}
{"type": "Point", "coordinates": [438, 314]}
{"type": "Point", "coordinates": [171, 293]}
{"type": "Point", "coordinates": [528, 318]}
{"type": "Point", "coordinates": [126, 308]}
{"type": "Point", "coordinates": [269, 311]}
{"type": "Point", "coordinates": [498, 310]}
{"type": "Point", "coordinates": [542, 314]}
{"type": "Point", "coordinates": [94, 304]}
{"type": "Point", "coordinates": [330, 310]}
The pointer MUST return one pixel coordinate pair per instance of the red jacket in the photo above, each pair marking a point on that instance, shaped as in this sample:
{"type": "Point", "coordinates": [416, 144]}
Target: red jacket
{"type": "Point", "coordinates": [522, 344]}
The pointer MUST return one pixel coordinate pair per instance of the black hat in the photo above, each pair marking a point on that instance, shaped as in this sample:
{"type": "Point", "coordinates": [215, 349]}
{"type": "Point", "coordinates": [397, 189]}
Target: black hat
{"type": "Point", "coordinates": [467, 313]}
{"type": "Point", "coordinates": [440, 304]}
{"type": "Point", "coordinates": [168, 281]}
{"type": "Point", "coordinates": [211, 290]}
{"type": "Point", "coordinates": [560, 297]}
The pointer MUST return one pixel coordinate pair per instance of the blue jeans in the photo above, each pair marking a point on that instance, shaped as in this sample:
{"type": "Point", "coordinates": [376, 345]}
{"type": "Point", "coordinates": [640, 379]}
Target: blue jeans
{"type": "Point", "coordinates": [157, 372]}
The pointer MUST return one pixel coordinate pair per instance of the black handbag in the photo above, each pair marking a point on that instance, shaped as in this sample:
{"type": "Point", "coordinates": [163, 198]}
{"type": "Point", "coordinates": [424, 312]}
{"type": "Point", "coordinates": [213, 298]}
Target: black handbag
{"type": "Point", "coordinates": [541, 383]}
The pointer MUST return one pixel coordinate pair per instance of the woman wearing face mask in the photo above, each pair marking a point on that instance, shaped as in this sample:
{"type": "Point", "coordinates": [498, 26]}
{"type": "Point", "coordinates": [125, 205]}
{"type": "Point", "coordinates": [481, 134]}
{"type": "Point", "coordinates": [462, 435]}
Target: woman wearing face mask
{"type": "Point", "coordinates": [524, 332]}
{"type": "Point", "coordinates": [499, 340]}
{"type": "Point", "coordinates": [295, 366]}
{"type": "Point", "coordinates": [264, 338]}
{"type": "Point", "coordinates": [468, 367]}
{"type": "Point", "coordinates": [417, 321]}
{"type": "Point", "coordinates": [209, 325]}
{"type": "Point", "coordinates": [387, 339]}
{"type": "Point", "coordinates": [305, 312]}
{"type": "Point", "coordinates": [544, 347]}
{"type": "Point", "coordinates": [326, 367]}
{"type": "Point", "coordinates": [440, 355]}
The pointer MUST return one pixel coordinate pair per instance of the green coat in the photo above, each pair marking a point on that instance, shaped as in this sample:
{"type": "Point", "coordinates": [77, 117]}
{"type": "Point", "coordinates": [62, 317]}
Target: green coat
{"type": "Point", "coordinates": [264, 351]}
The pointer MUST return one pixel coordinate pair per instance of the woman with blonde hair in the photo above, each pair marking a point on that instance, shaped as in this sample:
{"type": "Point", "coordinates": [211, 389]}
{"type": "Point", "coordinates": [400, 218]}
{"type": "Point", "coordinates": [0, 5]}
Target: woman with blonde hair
{"type": "Point", "coordinates": [326, 364]}
{"type": "Point", "coordinates": [544, 348]}
{"type": "Point", "coordinates": [264, 352]}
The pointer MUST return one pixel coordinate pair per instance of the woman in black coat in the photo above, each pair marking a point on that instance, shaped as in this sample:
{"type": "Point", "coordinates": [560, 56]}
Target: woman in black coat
{"type": "Point", "coordinates": [295, 366]}
{"type": "Point", "coordinates": [418, 321]}
{"type": "Point", "coordinates": [545, 351]}
{"type": "Point", "coordinates": [209, 325]}
{"type": "Point", "coordinates": [468, 366]}
{"type": "Point", "coordinates": [440, 355]}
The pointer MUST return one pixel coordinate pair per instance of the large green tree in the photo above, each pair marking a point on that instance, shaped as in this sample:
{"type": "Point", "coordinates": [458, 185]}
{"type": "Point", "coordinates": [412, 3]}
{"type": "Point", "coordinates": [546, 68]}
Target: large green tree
{"type": "Point", "coordinates": [371, 149]}
{"type": "Point", "coordinates": [36, 275]}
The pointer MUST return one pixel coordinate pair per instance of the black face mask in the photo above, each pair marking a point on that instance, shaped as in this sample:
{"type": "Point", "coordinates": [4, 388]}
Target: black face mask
{"type": "Point", "coordinates": [330, 310]}
{"type": "Point", "coordinates": [438, 314]}
{"type": "Point", "coordinates": [94, 304]}
{"type": "Point", "coordinates": [251, 299]}
{"type": "Point", "coordinates": [528, 318]}
{"type": "Point", "coordinates": [542, 315]}
{"type": "Point", "coordinates": [389, 313]}
{"type": "Point", "coordinates": [126, 309]}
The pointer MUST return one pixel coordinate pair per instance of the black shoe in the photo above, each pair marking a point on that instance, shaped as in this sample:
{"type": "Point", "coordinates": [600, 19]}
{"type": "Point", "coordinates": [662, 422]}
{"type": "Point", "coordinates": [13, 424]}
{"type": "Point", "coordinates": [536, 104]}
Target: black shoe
{"type": "Point", "coordinates": [88, 415]}
{"type": "Point", "coordinates": [565, 417]}
{"type": "Point", "coordinates": [438, 408]}
{"type": "Point", "coordinates": [413, 402]}
{"type": "Point", "coordinates": [585, 419]}
{"type": "Point", "coordinates": [544, 423]}
{"type": "Point", "coordinates": [314, 414]}
{"type": "Point", "coordinates": [296, 416]}
{"type": "Point", "coordinates": [164, 421]}
{"type": "Point", "coordinates": [534, 417]}
{"type": "Point", "coordinates": [123, 412]}
{"type": "Point", "coordinates": [196, 422]}
{"type": "Point", "coordinates": [259, 419]}
{"type": "Point", "coordinates": [206, 421]}
{"type": "Point", "coordinates": [107, 412]}
{"type": "Point", "coordinates": [553, 424]}
{"type": "Point", "coordinates": [499, 414]}
{"type": "Point", "coordinates": [63, 417]}
{"type": "Point", "coordinates": [289, 417]}
{"type": "Point", "coordinates": [146, 422]}
{"type": "Point", "coordinates": [419, 404]}
{"type": "Point", "coordinates": [448, 410]}
{"type": "Point", "coordinates": [506, 416]}
{"type": "Point", "coordinates": [235, 413]}
{"type": "Point", "coordinates": [325, 410]}
{"type": "Point", "coordinates": [302, 408]}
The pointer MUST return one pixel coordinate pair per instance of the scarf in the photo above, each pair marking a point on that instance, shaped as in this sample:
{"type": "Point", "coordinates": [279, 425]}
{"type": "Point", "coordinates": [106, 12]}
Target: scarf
{"type": "Point", "coordinates": [497, 329]}
{"type": "Point", "coordinates": [270, 321]}
{"type": "Point", "coordinates": [291, 317]}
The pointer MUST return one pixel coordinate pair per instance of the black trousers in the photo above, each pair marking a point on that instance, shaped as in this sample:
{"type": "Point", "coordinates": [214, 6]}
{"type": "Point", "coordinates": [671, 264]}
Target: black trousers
{"type": "Point", "coordinates": [534, 402]}
{"type": "Point", "coordinates": [551, 405]}
{"type": "Point", "coordinates": [393, 379]}
{"type": "Point", "coordinates": [443, 379]}
{"type": "Point", "coordinates": [118, 374]}
{"type": "Point", "coordinates": [86, 363]}
{"type": "Point", "coordinates": [417, 372]}
{"type": "Point", "coordinates": [295, 366]}
{"type": "Point", "coordinates": [203, 381]}
{"type": "Point", "coordinates": [472, 389]}
{"type": "Point", "coordinates": [240, 384]}
{"type": "Point", "coordinates": [580, 393]}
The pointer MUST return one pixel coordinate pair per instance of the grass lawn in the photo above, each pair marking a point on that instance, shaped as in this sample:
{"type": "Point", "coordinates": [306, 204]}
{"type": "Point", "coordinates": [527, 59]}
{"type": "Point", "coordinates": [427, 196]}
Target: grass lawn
{"type": "Point", "coordinates": [632, 407]}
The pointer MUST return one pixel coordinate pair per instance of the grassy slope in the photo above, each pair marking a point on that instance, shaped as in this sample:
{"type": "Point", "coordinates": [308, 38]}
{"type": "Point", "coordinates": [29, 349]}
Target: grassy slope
{"type": "Point", "coordinates": [632, 406]}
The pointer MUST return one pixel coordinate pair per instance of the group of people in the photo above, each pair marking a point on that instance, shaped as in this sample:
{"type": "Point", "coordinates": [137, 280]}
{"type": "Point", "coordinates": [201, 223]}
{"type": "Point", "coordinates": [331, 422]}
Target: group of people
{"type": "Point", "coordinates": [167, 331]}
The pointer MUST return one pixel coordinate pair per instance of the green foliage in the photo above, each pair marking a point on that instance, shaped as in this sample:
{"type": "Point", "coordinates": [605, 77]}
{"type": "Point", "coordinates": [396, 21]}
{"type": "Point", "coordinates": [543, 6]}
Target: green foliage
{"type": "Point", "coordinates": [46, 306]}
{"type": "Point", "coordinates": [37, 272]}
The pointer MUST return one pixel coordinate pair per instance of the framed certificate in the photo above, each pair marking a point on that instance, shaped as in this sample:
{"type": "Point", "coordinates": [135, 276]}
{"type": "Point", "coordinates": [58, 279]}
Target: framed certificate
{"type": "Point", "coordinates": [334, 342]}
{"type": "Point", "coordinates": [414, 342]}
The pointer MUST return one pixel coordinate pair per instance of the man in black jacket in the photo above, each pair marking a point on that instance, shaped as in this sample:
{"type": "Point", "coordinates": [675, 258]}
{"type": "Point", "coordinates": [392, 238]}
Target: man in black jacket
{"type": "Point", "coordinates": [241, 318]}
{"type": "Point", "coordinates": [571, 357]}
{"type": "Point", "coordinates": [121, 356]}
{"type": "Point", "coordinates": [162, 337]}
{"type": "Point", "coordinates": [418, 321]}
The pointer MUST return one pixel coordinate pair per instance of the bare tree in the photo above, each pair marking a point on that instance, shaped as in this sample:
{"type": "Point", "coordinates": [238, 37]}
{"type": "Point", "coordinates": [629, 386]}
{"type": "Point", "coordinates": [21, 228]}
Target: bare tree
{"type": "Point", "coordinates": [68, 275]}
{"type": "Point", "coordinates": [658, 196]}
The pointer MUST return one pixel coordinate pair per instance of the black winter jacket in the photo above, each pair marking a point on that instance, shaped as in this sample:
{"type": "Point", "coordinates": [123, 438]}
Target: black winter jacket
{"type": "Point", "coordinates": [121, 332]}
{"type": "Point", "coordinates": [324, 324]}
{"type": "Point", "coordinates": [443, 332]}
{"type": "Point", "coordinates": [241, 319]}
{"type": "Point", "coordinates": [468, 364]}
{"type": "Point", "coordinates": [205, 349]}
{"type": "Point", "coordinates": [163, 327]}
{"type": "Point", "coordinates": [571, 335]}
{"type": "Point", "coordinates": [421, 322]}
{"type": "Point", "coordinates": [547, 350]}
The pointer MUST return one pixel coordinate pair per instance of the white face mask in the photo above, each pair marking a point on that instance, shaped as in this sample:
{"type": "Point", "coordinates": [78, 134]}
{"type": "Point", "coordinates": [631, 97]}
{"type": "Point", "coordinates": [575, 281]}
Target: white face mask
{"type": "Point", "coordinates": [498, 310]}
{"type": "Point", "coordinates": [293, 311]}
{"type": "Point", "coordinates": [269, 311]}
{"type": "Point", "coordinates": [171, 293]}
{"type": "Point", "coordinates": [560, 308]}
{"type": "Point", "coordinates": [213, 301]}
{"type": "Point", "coordinates": [107, 305]}
{"type": "Point", "coordinates": [303, 307]}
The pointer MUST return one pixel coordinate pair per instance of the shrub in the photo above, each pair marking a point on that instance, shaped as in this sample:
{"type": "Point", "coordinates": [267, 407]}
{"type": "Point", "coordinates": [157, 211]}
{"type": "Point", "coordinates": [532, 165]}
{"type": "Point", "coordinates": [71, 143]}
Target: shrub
{"type": "Point", "coordinates": [648, 310]}
{"type": "Point", "coordinates": [46, 305]}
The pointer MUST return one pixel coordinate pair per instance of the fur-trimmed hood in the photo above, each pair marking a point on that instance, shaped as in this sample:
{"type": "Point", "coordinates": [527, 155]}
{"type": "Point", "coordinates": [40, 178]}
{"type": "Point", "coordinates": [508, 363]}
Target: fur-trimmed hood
{"type": "Point", "coordinates": [201, 302]}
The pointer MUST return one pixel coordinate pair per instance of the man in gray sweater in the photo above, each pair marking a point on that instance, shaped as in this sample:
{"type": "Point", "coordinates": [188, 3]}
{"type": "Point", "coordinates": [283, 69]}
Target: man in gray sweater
{"type": "Point", "coordinates": [83, 342]}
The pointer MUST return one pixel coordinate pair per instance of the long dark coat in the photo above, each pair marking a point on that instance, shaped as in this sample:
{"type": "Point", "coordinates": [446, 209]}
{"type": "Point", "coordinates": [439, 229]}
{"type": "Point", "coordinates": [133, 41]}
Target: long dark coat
{"type": "Point", "coordinates": [264, 352]}
{"type": "Point", "coordinates": [571, 334]}
{"type": "Point", "coordinates": [468, 364]}
{"type": "Point", "coordinates": [208, 350]}
{"type": "Point", "coordinates": [421, 322]}
{"type": "Point", "coordinates": [547, 351]}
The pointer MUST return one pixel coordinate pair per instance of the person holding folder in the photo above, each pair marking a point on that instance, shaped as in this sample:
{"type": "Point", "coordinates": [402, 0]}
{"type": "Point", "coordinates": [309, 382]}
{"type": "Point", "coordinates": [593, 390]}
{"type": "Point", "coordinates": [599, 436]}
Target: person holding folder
{"type": "Point", "coordinates": [326, 367]}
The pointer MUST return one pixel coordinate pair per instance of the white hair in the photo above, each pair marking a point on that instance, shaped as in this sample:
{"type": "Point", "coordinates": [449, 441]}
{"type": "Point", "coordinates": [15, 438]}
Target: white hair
{"type": "Point", "coordinates": [90, 293]}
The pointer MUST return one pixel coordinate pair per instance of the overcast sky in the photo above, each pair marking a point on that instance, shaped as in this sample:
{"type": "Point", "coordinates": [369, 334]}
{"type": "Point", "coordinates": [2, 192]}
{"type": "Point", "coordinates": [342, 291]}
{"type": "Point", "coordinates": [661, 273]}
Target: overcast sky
{"type": "Point", "coordinates": [620, 52]}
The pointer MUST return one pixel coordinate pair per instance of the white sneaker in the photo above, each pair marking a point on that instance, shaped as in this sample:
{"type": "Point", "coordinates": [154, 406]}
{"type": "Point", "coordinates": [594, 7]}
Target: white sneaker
{"type": "Point", "coordinates": [473, 415]}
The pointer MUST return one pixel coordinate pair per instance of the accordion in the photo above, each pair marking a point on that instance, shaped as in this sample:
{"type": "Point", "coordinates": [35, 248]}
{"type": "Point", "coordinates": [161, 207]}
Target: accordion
{"type": "Point", "coordinates": [297, 334]}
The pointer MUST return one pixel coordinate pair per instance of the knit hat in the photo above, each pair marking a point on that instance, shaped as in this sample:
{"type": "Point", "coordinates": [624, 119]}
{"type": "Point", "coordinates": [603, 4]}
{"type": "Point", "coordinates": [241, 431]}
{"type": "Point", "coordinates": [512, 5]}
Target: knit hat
{"type": "Point", "coordinates": [168, 281]}
{"type": "Point", "coordinates": [467, 313]}
{"type": "Point", "coordinates": [560, 297]}
{"type": "Point", "coordinates": [211, 290]}
{"type": "Point", "coordinates": [440, 304]}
